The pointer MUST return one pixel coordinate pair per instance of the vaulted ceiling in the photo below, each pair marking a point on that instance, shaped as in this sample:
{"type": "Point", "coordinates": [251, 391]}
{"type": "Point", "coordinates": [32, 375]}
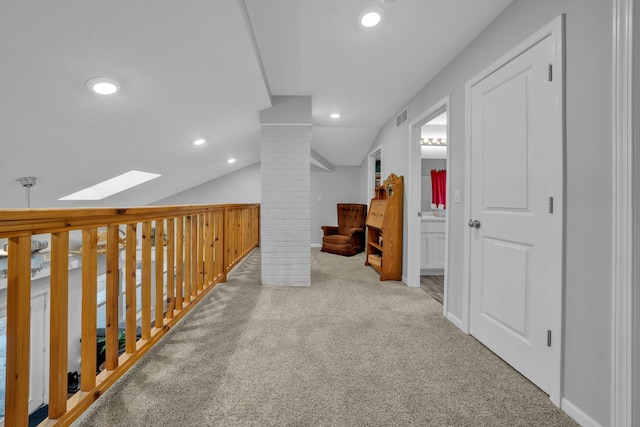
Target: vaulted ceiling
{"type": "Point", "coordinates": [203, 69]}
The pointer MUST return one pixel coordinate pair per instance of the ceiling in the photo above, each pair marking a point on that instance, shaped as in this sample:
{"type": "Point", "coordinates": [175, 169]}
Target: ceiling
{"type": "Point", "coordinates": [203, 69]}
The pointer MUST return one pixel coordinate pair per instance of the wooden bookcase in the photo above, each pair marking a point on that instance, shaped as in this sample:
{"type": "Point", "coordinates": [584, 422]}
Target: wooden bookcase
{"type": "Point", "coordinates": [384, 229]}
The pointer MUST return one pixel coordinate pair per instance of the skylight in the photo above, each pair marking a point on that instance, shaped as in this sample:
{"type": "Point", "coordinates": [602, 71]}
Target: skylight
{"type": "Point", "coordinates": [112, 186]}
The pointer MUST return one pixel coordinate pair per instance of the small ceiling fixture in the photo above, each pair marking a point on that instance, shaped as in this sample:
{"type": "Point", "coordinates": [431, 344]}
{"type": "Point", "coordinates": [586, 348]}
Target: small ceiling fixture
{"type": "Point", "coordinates": [27, 182]}
{"type": "Point", "coordinates": [103, 85]}
{"type": "Point", "coordinates": [38, 260]}
{"type": "Point", "coordinates": [334, 115]}
{"type": "Point", "coordinates": [199, 141]}
{"type": "Point", "coordinates": [370, 17]}
{"type": "Point", "coordinates": [231, 160]}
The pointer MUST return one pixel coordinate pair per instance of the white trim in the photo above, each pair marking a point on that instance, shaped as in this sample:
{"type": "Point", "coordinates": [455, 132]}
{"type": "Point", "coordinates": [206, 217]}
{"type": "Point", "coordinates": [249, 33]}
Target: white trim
{"type": "Point", "coordinates": [371, 170]}
{"type": "Point", "coordinates": [623, 204]}
{"type": "Point", "coordinates": [414, 196]}
{"type": "Point", "coordinates": [555, 31]}
{"type": "Point", "coordinates": [455, 320]}
{"type": "Point", "coordinates": [577, 414]}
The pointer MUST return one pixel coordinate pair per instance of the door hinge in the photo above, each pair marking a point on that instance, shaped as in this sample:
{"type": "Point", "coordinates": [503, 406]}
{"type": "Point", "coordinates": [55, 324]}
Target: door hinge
{"type": "Point", "coordinates": [550, 72]}
{"type": "Point", "coordinates": [550, 205]}
{"type": "Point", "coordinates": [548, 338]}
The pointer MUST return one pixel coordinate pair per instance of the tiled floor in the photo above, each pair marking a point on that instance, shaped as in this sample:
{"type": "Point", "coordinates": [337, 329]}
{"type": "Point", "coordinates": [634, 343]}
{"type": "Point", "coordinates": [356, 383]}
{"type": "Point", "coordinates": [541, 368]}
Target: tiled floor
{"type": "Point", "coordinates": [434, 286]}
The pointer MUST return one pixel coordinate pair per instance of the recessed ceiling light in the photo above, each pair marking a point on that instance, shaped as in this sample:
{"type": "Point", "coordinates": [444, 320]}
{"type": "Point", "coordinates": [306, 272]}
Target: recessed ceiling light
{"type": "Point", "coordinates": [232, 160]}
{"type": "Point", "coordinates": [370, 17]}
{"type": "Point", "coordinates": [103, 85]}
{"type": "Point", "coordinates": [112, 186]}
{"type": "Point", "coordinates": [199, 141]}
{"type": "Point", "coordinates": [334, 115]}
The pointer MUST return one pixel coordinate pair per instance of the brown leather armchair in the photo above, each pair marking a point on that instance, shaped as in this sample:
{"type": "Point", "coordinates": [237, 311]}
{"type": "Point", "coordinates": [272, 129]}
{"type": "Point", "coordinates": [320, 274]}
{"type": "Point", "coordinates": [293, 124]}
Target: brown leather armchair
{"type": "Point", "coordinates": [348, 237]}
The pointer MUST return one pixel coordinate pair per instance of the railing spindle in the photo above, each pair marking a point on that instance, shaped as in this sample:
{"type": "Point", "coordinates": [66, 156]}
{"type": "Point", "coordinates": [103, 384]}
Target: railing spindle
{"type": "Point", "coordinates": [18, 331]}
{"type": "Point", "coordinates": [170, 267]}
{"type": "Point", "coordinates": [113, 279]}
{"type": "Point", "coordinates": [221, 250]}
{"type": "Point", "coordinates": [146, 280]}
{"type": "Point", "coordinates": [179, 262]}
{"type": "Point", "coordinates": [159, 323]}
{"type": "Point", "coordinates": [131, 333]}
{"type": "Point", "coordinates": [208, 253]}
{"type": "Point", "coordinates": [89, 308]}
{"type": "Point", "coordinates": [58, 347]}
{"type": "Point", "coordinates": [199, 257]}
{"type": "Point", "coordinates": [187, 259]}
{"type": "Point", "coordinates": [194, 256]}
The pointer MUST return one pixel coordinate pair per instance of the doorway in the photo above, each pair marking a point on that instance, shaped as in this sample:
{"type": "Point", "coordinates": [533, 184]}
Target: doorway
{"type": "Point", "coordinates": [374, 172]}
{"type": "Point", "coordinates": [427, 222]}
{"type": "Point", "coordinates": [433, 205]}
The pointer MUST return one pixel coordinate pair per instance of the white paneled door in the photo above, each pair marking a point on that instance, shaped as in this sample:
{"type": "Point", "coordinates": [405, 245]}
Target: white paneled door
{"type": "Point", "coordinates": [513, 126]}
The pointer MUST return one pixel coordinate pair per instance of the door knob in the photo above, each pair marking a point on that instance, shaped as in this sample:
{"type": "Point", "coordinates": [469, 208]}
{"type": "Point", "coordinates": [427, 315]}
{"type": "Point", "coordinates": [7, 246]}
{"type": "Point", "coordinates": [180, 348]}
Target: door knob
{"type": "Point", "coordinates": [474, 223]}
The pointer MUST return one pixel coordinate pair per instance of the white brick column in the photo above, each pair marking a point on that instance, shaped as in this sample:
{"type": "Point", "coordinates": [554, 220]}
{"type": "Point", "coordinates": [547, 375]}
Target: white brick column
{"type": "Point", "coordinates": [286, 203]}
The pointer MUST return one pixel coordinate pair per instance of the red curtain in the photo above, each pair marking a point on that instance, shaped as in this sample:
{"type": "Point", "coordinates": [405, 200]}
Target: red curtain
{"type": "Point", "coordinates": [439, 188]}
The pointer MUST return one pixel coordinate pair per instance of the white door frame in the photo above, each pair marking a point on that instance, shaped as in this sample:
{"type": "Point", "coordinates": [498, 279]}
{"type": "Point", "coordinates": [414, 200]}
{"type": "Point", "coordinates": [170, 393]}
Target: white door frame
{"type": "Point", "coordinates": [371, 168]}
{"type": "Point", "coordinates": [625, 235]}
{"type": "Point", "coordinates": [44, 384]}
{"type": "Point", "coordinates": [555, 30]}
{"type": "Point", "coordinates": [413, 196]}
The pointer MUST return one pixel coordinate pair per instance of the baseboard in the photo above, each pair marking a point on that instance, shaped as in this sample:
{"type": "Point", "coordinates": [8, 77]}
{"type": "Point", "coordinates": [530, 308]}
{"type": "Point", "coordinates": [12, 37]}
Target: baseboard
{"type": "Point", "coordinates": [432, 272]}
{"type": "Point", "coordinates": [404, 280]}
{"type": "Point", "coordinates": [578, 415]}
{"type": "Point", "coordinates": [316, 245]}
{"type": "Point", "coordinates": [453, 319]}
{"type": "Point", "coordinates": [235, 267]}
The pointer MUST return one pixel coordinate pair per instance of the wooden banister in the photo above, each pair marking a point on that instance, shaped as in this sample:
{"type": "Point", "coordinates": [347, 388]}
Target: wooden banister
{"type": "Point", "coordinates": [195, 247]}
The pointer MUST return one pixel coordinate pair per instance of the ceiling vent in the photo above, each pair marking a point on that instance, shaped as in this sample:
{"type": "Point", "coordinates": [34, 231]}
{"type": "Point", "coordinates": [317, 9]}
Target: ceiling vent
{"type": "Point", "coordinates": [402, 117]}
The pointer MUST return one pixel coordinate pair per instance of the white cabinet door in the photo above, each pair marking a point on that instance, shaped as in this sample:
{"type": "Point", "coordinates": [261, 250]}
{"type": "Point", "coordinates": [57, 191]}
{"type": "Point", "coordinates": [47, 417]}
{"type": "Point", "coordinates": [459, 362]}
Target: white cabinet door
{"type": "Point", "coordinates": [431, 251]}
{"type": "Point", "coordinates": [436, 250]}
{"type": "Point", "coordinates": [424, 251]}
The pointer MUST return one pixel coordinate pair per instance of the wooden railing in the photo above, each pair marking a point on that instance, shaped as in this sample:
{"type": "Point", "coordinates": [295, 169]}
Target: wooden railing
{"type": "Point", "coordinates": [199, 244]}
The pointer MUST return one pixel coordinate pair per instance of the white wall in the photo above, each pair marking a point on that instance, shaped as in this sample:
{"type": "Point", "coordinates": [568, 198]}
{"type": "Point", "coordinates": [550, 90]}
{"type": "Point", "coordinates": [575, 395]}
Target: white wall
{"type": "Point", "coordinates": [241, 186]}
{"type": "Point", "coordinates": [343, 185]}
{"type": "Point", "coordinates": [587, 347]}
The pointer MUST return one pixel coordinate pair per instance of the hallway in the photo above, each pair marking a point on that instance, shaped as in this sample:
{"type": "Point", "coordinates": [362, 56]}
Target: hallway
{"type": "Point", "coordinates": [349, 350]}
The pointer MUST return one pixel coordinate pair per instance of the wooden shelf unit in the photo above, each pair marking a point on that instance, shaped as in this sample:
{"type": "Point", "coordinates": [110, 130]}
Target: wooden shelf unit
{"type": "Point", "coordinates": [384, 229]}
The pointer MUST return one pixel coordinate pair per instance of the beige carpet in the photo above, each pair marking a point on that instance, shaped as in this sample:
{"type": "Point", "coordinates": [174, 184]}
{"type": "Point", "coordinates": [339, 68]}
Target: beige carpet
{"type": "Point", "coordinates": [347, 351]}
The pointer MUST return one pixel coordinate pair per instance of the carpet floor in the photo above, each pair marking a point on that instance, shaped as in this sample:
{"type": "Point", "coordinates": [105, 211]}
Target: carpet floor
{"type": "Point", "coordinates": [347, 351]}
